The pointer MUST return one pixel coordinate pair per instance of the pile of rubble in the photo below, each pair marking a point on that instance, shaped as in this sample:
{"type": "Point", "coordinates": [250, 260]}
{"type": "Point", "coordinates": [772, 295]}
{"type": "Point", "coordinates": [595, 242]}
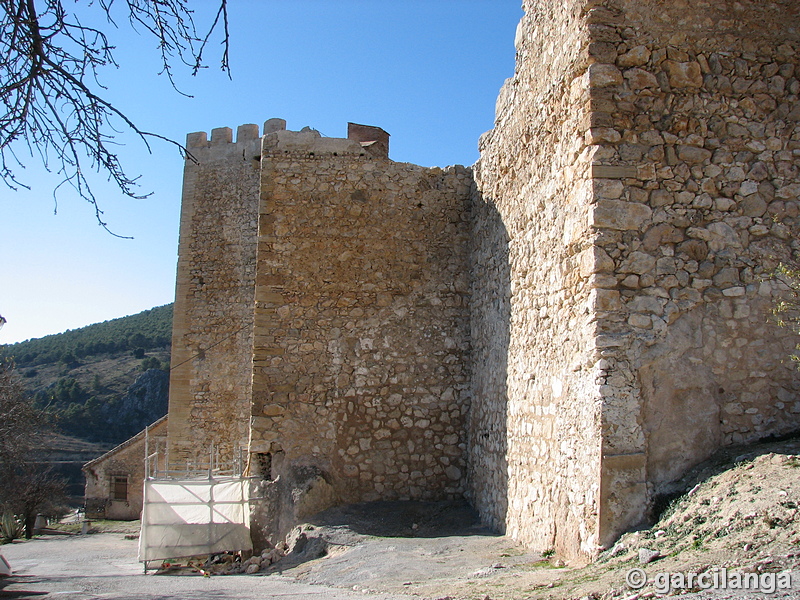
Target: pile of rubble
{"type": "Point", "coordinates": [262, 562]}
{"type": "Point", "coordinates": [225, 563]}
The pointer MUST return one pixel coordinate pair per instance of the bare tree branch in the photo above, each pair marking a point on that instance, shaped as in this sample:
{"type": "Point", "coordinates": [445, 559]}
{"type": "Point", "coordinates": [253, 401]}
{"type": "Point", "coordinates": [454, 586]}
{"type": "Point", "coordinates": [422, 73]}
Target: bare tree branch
{"type": "Point", "coordinates": [51, 99]}
{"type": "Point", "coordinates": [20, 422]}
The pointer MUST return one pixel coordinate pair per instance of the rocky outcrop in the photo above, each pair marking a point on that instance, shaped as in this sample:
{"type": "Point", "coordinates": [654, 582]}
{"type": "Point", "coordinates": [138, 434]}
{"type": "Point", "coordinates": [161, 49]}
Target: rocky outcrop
{"type": "Point", "coordinates": [143, 402]}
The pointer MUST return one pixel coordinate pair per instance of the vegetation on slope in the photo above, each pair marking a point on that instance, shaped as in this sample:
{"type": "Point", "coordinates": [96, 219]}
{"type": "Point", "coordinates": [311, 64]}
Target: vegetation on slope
{"type": "Point", "coordinates": [146, 330]}
{"type": "Point", "coordinates": [83, 378]}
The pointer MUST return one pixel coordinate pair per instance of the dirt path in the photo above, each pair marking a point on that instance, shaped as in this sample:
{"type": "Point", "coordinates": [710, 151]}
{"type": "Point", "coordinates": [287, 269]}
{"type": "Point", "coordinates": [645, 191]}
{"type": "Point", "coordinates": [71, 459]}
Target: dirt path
{"type": "Point", "coordinates": [104, 566]}
{"type": "Point", "coordinates": [741, 515]}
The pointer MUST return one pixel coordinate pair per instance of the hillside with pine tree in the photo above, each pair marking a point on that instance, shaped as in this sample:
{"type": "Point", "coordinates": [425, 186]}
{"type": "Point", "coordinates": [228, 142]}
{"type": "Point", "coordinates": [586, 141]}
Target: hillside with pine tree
{"type": "Point", "coordinates": [104, 382]}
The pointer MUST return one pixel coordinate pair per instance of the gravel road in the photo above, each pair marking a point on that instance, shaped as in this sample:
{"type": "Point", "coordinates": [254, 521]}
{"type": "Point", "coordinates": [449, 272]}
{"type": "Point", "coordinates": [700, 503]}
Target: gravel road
{"type": "Point", "coordinates": [104, 566]}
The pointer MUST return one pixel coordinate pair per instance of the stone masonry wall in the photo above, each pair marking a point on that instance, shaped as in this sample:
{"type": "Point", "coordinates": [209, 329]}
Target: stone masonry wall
{"type": "Point", "coordinates": [558, 338]}
{"type": "Point", "coordinates": [639, 187]}
{"type": "Point", "coordinates": [361, 347]}
{"type": "Point", "coordinates": [210, 381]}
{"type": "Point", "coordinates": [535, 422]}
{"type": "Point", "coordinates": [695, 123]}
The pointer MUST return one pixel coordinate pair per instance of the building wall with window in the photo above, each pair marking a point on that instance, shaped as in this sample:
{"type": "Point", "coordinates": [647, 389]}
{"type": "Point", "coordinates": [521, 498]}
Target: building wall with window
{"type": "Point", "coordinates": [114, 481]}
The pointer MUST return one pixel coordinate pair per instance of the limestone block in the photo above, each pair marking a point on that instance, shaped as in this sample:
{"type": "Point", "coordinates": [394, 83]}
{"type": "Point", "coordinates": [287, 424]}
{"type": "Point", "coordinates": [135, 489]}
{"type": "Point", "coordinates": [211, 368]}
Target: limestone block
{"type": "Point", "coordinates": [453, 472]}
{"type": "Point", "coordinates": [602, 135]}
{"type": "Point", "coordinates": [639, 79]}
{"type": "Point", "coordinates": [603, 52]}
{"type": "Point", "coordinates": [595, 260]}
{"type": "Point", "coordinates": [694, 249]}
{"type": "Point", "coordinates": [734, 292]}
{"type": "Point", "coordinates": [620, 215]}
{"type": "Point", "coordinates": [661, 198]}
{"type": "Point", "coordinates": [604, 75]}
{"type": "Point", "coordinates": [631, 281]}
{"type": "Point", "coordinates": [646, 304]}
{"type": "Point", "coordinates": [693, 155]}
{"type": "Point", "coordinates": [638, 263]}
{"type": "Point", "coordinates": [726, 277]}
{"type": "Point", "coordinates": [663, 233]}
{"type": "Point", "coordinates": [753, 206]}
{"type": "Point", "coordinates": [640, 321]}
{"type": "Point", "coordinates": [722, 236]}
{"type": "Point", "coordinates": [635, 57]}
{"type": "Point", "coordinates": [604, 300]}
{"type": "Point", "coordinates": [607, 188]}
{"type": "Point", "coordinates": [273, 410]}
{"type": "Point", "coordinates": [759, 171]}
{"type": "Point", "coordinates": [789, 192]}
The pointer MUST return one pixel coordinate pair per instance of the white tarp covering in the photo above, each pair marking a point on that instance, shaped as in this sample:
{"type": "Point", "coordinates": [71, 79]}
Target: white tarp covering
{"type": "Point", "coordinates": [191, 517]}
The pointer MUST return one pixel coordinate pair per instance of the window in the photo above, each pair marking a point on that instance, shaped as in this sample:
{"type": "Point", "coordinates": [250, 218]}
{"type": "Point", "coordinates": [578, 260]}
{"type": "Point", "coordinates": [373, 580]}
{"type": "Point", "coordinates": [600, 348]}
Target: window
{"type": "Point", "coordinates": [119, 488]}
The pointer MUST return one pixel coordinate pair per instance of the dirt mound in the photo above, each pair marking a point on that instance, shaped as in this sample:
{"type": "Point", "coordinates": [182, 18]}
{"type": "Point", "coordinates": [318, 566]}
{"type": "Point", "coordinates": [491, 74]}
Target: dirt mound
{"type": "Point", "coordinates": [752, 507]}
{"type": "Point", "coordinates": [739, 512]}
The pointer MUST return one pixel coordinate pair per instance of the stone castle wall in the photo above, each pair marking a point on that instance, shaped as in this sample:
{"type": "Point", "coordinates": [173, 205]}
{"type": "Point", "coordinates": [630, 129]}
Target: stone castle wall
{"type": "Point", "coordinates": [534, 426]}
{"type": "Point", "coordinates": [643, 166]}
{"type": "Point", "coordinates": [361, 368]}
{"type": "Point", "coordinates": [695, 124]}
{"type": "Point", "coordinates": [212, 340]}
{"type": "Point", "coordinates": [557, 334]}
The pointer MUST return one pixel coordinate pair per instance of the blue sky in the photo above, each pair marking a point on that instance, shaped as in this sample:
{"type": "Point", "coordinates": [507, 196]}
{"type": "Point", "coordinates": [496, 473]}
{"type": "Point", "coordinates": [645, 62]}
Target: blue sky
{"type": "Point", "coordinates": [426, 71]}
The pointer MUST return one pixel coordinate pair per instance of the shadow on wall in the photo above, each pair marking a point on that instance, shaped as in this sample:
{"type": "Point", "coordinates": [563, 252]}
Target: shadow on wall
{"type": "Point", "coordinates": [490, 335]}
{"type": "Point", "coordinates": [408, 519]}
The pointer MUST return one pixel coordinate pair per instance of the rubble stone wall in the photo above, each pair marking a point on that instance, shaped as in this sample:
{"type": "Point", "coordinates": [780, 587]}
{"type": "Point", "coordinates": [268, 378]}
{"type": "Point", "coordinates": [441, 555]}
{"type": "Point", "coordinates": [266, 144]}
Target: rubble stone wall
{"type": "Point", "coordinates": [695, 123]}
{"type": "Point", "coordinates": [210, 381]}
{"type": "Point", "coordinates": [534, 428]}
{"type": "Point", "coordinates": [361, 346]}
{"type": "Point", "coordinates": [637, 191]}
{"type": "Point", "coordinates": [558, 333]}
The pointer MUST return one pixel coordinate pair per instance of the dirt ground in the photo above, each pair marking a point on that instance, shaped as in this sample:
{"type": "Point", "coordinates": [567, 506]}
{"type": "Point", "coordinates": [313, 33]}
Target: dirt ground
{"type": "Point", "coordinates": [739, 514]}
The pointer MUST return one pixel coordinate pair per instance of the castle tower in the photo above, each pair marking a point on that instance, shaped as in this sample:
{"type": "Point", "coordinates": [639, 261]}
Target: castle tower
{"type": "Point", "coordinates": [321, 319]}
{"type": "Point", "coordinates": [212, 339]}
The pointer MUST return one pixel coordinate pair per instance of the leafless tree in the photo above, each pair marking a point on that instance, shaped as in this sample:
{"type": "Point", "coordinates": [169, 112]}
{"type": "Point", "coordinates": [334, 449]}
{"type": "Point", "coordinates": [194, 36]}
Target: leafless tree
{"type": "Point", "coordinates": [27, 486]}
{"type": "Point", "coordinates": [35, 489]}
{"type": "Point", "coordinates": [19, 420]}
{"type": "Point", "coordinates": [52, 105]}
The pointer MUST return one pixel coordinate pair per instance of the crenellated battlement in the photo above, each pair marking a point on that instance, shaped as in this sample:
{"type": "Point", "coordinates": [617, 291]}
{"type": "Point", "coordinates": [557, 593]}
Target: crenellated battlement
{"type": "Point", "coordinates": [224, 135]}
{"type": "Point", "coordinates": [361, 140]}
